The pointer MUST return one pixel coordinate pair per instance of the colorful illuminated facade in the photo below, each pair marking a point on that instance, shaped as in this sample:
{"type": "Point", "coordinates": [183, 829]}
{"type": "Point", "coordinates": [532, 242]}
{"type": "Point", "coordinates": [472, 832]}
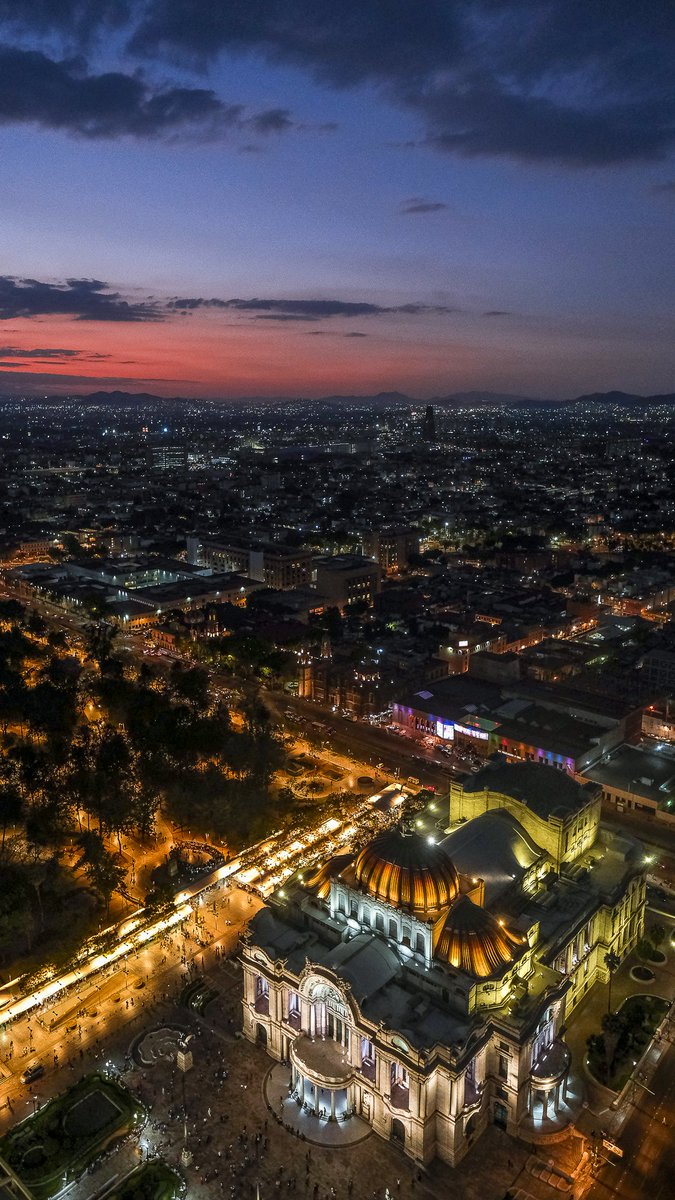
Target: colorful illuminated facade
{"type": "Point", "coordinates": [423, 982]}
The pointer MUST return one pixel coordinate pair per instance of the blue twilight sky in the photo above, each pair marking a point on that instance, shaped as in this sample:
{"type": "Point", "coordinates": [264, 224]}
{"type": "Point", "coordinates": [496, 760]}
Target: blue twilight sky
{"type": "Point", "coordinates": [293, 197]}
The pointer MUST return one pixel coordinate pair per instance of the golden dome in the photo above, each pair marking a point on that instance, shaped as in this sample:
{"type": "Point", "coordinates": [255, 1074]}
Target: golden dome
{"type": "Point", "coordinates": [319, 881]}
{"type": "Point", "coordinates": [407, 871]}
{"type": "Point", "coordinates": [473, 940]}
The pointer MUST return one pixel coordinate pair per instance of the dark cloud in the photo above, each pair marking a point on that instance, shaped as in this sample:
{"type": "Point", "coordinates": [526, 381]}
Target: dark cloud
{"type": "Point", "coordinates": [13, 356]}
{"type": "Point", "coordinates": [418, 205]}
{"type": "Point", "coordinates": [353, 42]}
{"type": "Point", "coordinates": [539, 80]}
{"type": "Point", "coordinates": [322, 127]}
{"type": "Point", "coordinates": [489, 122]}
{"type": "Point", "coordinates": [497, 312]}
{"type": "Point", "coordinates": [331, 333]}
{"type": "Point", "coordinates": [664, 189]}
{"type": "Point", "coordinates": [579, 83]}
{"type": "Point", "coordinates": [62, 95]}
{"type": "Point", "coordinates": [75, 19]}
{"type": "Point", "coordinates": [14, 352]}
{"type": "Point", "coordinates": [275, 120]}
{"type": "Point", "coordinates": [84, 299]}
{"type": "Point", "coordinates": [93, 300]}
{"type": "Point", "coordinates": [305, 310]}
{"type": "Point", "coordinates": [59, 382]}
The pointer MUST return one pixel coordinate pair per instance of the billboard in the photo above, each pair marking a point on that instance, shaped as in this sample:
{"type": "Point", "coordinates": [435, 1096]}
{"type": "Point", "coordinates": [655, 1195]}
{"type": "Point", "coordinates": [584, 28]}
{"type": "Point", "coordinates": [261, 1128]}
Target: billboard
{"type": "Point", "coordinates": [445, 731]}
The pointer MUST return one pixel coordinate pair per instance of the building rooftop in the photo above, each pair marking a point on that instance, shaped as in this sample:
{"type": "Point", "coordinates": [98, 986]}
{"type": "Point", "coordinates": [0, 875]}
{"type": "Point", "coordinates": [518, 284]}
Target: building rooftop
{"type": "Point", "coordinates": [647, 773]}
{"type": "Point", "coordinates": [493, 847]}
{"type": "Point", "coordinates": [553, 794]}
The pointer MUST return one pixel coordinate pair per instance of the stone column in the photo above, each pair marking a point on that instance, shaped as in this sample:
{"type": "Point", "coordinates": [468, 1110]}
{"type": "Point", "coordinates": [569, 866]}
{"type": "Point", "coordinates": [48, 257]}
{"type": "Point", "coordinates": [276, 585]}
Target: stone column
{"type": "Point", "coordinates": [544, 1096]}
{"type": "Point", "coordinates": [302, 1089]}
{"type": "Point", "coordinates": [332, 1104]}
{"type": "Point", "coordinates": [316, 1099]}
{"type": "Point", "coordinates": [556, 1102]}
{"type": "Point", "coordinates": [530, 1099]}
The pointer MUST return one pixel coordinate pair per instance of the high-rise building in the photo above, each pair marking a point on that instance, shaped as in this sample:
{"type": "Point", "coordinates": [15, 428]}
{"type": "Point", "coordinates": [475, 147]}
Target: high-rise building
{"type": "Point", "coordinates": [168, 457]}
{"type": "Point", "coordinates": [391, 546]}
{"type": "Point", "coordinates": [429, 424]}
{"type": "Point", "coordinates": [345, 579]}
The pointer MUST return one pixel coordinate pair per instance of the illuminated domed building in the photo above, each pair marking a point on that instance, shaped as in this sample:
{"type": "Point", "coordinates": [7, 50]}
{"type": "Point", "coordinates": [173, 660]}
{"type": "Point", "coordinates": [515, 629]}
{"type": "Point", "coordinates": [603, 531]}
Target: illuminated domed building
{"type": "Point", "coordinates": [424, 983]}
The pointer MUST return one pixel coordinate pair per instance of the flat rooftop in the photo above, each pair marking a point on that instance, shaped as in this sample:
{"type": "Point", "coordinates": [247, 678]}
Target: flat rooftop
{"type": "Point", "coordinates": [647, 773]}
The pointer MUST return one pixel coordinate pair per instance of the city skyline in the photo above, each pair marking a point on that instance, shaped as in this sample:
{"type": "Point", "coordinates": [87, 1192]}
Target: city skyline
{"type": "Point", "coordinates": [286, 200]}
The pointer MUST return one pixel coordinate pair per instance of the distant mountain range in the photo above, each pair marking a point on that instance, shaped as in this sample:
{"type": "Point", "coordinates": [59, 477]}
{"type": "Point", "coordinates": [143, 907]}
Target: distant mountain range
{"type": "Point", "coordinates": [385, 399]}
{"type": "Point", "coordinates": [494, 399]}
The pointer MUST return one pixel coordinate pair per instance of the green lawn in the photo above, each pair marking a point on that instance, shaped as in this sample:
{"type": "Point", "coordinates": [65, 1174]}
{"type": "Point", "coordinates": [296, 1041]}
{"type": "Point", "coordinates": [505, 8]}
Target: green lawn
{"type": "Point", "coordinates": [68, 1133]}
{"type": "Point", "coordinates": [153, 1181]}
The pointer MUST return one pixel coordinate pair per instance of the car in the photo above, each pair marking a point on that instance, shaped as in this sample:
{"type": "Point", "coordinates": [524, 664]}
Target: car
{"type": "Point", "coordinates": [31, 1073]}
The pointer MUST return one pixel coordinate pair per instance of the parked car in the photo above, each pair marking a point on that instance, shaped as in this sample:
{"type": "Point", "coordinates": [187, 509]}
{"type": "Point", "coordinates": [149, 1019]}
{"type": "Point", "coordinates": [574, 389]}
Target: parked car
{"type": "Point", "coordinates": [31, 1073]}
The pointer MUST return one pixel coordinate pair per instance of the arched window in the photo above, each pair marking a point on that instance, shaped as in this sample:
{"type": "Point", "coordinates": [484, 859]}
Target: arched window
{"type": "Point", "coordinates": [262, 994]}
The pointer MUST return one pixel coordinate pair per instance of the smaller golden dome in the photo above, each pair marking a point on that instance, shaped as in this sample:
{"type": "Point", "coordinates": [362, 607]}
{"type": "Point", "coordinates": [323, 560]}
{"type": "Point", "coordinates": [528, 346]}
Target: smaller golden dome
{"type": "Point", "coordinates": [407, 871]}
{"type": "Point", "coordinates": [319, 881]}
{"type": "Point", "coordinates": [474, 941]}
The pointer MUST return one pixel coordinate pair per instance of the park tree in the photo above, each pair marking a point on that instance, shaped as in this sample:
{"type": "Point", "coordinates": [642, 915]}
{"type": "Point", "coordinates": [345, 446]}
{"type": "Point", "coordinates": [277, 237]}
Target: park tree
{"type": "Point", "coordinates": [147, 798]}
{"type": "Point", "coordinates": [11, 612]}
{"type": "Point", "coordinates": [13, 698]}
{"type": "Point", "coordinates": [645, 948]}
{"type": "Point", "coordinates": [257, 718]}
{"type": "Point", "coordinates": [48, 821]}
{"type": "Point", "coordinates": [57, 639]}
{"type": "Point", "coordinates": [99, 637]}
{"type": "Point", "coordinates": [11, 811]}
{"type": "Point", "coordinates": [612, 962]}
{"type": "Point", "coordinates": [100, 866]}
{"type": "Point", "coordinates": [657, 935]}
{"type": "Point", "coordinates": [52, 709]}
{"type": "Point", "coordinates": [36, 624]}
{"type": "Point", "coordinates": [114, 784]}
{"type": "Point", "coordinates": [612, 1030]}
{"type": "Point", "coordinates": [16, 916]}
{"type": "Point", "coordinates": [190, 685]}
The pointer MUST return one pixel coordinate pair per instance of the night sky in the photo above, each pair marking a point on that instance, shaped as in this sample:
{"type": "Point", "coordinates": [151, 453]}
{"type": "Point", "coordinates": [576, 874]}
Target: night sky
{"type": "Point", "coordinates": [302, 197]}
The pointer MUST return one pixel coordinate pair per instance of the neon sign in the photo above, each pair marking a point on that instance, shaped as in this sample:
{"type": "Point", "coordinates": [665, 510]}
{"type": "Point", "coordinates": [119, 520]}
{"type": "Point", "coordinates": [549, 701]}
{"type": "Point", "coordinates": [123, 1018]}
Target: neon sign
{"type": "Point", "coordinates": [470, 732]}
